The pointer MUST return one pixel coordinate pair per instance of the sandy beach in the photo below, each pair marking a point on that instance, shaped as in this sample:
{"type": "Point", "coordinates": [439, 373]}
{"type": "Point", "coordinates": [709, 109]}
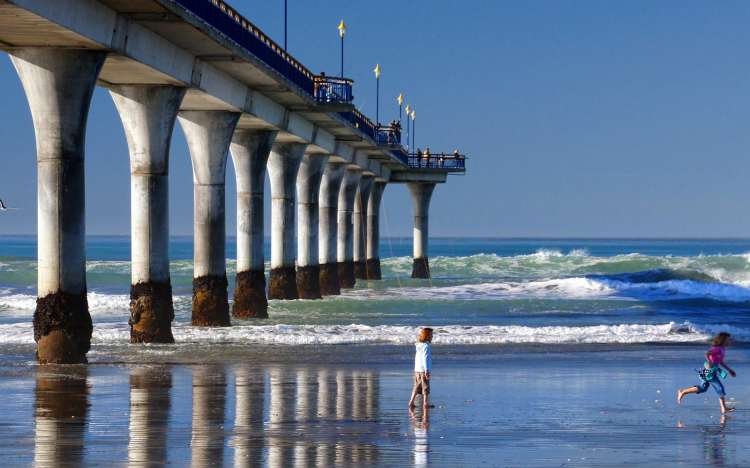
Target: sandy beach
{"type": "Point", "coordinates": [495, 406]}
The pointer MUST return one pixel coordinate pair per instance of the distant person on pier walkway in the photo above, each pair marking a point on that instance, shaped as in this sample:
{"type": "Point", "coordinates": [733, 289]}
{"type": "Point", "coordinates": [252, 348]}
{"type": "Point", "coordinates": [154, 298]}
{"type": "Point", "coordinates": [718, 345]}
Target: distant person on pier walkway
{"type": "Point", "coordinates": [457, 159]}
{"type": "Point", "coordinates": [318, 89]}
{"type": "Point", "coordinates": [711, 372]}
{"type": "Point", "coordinates": [422, 369]}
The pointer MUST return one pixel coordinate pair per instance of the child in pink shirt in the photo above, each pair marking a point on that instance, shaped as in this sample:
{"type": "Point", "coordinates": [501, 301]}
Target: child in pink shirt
{"type": "Point", "coordinates": [712, 371]}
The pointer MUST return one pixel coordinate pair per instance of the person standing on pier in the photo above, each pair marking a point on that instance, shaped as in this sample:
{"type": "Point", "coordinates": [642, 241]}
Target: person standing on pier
{"type": "Point", "coordinates": [422, 368]}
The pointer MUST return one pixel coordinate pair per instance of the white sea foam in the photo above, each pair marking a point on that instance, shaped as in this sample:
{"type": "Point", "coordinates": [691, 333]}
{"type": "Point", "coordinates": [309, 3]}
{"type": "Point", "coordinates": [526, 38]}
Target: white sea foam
{"type": "Point", "coordinates": [681, 289]}
{"type": "Point", "coordinates": [100, 304]}
{"type": "Point", "coordinates": [578, 288]}
{"type": "Point", "coordinates": [118, 334]}
{"type": "Point", "coordinates": [16, 303]}
{"type": "Point", "coordinates": [566, 288]}
{"type": "Point", "coordinates": [542, 264]}
{"type": "Point", "coordinates": [545, 254]}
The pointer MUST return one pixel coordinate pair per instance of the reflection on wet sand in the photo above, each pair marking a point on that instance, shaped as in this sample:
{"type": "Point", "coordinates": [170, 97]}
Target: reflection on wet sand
{"type": "Point", "coordinates": [209, 401]}
{"type": "Point", "coordinates": [421, 424]}
{"type": "Point", "coordinates": [149, 416]}
{"type": "Point", "coordinates": [283, 417]}
{"type": "Point", "coordinates": [324, 453]}
{"type": "Point", "coordinates": [314, 415]}
{"type": "Point", "coordinates": [329, 415]}
{"type": "Point", "coordinates": [60, 413]}
{"type": "Point", "coordinates": [714, 445]}
{"type": "Point", "coordinates": [249, 389]}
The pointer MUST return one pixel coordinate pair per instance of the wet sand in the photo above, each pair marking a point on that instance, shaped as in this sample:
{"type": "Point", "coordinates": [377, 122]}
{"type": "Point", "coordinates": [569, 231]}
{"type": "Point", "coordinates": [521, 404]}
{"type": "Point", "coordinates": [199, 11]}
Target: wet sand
{"type": "Point", "coordinates": [346, 405]}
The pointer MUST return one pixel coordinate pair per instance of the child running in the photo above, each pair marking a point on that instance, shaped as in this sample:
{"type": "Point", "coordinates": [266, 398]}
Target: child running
{"type": "Point", "coordinates": [422, 368]}
{"type": "Point", "coordinates": [712, 371]}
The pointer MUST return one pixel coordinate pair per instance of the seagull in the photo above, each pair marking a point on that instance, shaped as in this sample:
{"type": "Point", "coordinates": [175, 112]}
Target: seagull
{"type": "Point", "coordinates": [5, 208]}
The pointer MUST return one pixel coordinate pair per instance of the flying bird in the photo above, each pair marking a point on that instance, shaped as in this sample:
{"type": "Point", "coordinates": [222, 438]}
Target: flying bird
{"type": "Point", "coordinates": [3, 207]}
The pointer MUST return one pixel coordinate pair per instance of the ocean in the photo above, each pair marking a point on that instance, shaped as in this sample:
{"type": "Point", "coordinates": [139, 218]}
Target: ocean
{"type": "Point", "coordinates": [547, 352]}
{"type": "Point", "coordinates": [483, 291]}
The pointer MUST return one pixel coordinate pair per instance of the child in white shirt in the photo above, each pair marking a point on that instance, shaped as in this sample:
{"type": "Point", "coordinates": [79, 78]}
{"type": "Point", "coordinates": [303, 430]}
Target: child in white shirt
{"type": "Point", "coordinates": [422, 368]}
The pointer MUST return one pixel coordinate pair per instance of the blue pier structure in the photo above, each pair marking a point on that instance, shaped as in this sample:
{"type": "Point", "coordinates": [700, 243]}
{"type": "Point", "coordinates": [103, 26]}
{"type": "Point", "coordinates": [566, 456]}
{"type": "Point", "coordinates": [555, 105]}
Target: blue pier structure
{"type": "Point", "coordinates": [328, 93]}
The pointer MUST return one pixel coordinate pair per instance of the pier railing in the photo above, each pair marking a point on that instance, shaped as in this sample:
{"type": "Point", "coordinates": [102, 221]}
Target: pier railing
{"type": "Point", "coordinates": [360, 121]}
{"type": "Point", "coordinates": [390, 136]}
{"type": "Point", "coordinates": [326, 91]}
{"type": "Point", "coordinates": [401, 154]}
{"type": "Point", "coordinates": [443, 161]}
{"type": "Point", "coordinates": [333, 90]}
{"type": "Point", "coordinates": [226, 19]}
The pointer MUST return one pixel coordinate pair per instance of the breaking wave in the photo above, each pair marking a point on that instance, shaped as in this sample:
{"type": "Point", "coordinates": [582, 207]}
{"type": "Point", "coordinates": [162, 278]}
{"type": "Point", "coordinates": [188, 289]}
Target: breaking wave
{"type": "Point", "coordinates": [546, 264]}
{"type": "Point", "coordinates": [100, 304]}
{"type": "Point", "coordinates": [651, 285]}
{"type": "Point", "coordinates": [686, 332]}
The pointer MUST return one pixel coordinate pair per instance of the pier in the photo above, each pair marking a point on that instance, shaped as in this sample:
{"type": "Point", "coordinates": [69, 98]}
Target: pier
{"type": "Point", "coordinates": [233, 90]}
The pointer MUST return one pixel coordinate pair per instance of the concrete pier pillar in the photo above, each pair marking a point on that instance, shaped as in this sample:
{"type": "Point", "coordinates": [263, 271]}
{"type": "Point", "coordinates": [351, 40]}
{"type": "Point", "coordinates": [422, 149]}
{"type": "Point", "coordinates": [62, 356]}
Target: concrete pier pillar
{"type": "Point", "coordinates": [250, 150]}
{"type": "Point", "coordinates": [208, 135]}
{"type": "Point", "coordinates": [58, 84]}
{"type": "Point", "coordinates": [345, 248]}
{"type": "Point", "coordinates": [283, 164]}
{"type": "Point", "coordinates": [148, 113]}
{"type": "Point", "coordinates": [373, 232]}
{"type": "Point", "coordinates": [308, 187]}
{"type": "Point", "coordinates": [328, 200]}
{"type": "Point", "coordinates": [421, 193]}
{"type": "Point", "coordinates": [359, 221]}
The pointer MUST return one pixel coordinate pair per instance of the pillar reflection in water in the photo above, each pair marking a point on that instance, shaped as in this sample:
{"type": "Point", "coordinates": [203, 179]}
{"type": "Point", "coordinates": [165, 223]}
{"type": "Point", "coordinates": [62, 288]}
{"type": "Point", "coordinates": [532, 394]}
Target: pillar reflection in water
{"type": "Point", "coordinates": [372, 392]}
{"type": "Point", "coordinates": [343, 405]}
{"type": "Point", "coordinates": [306, 413]}
{"type": "Point", "coordinates": [364, 395]}
{"type": "Point", "coordinates": [358, 394]}
{"type": "Point", "coordinates": [372, 409]}
{"type": "Point", "coordinates": [301, 417]}
{"type": "Point", "coordinates": [324, 453]}
{"type": "Point", "coordinates": [60, 413]}
{"type": "Point", "coordinates": [150, 404]}
{"type": "Point", "coordinates": [209, 401]}
{"type": "Point", "coordinates": [341, 395]}
{"type": "Point", "coordinates": [280, 417]}
{"type": "Point", "coordinates": [356, 401]}
{"type": "Point", "coordinates": [250, 391]}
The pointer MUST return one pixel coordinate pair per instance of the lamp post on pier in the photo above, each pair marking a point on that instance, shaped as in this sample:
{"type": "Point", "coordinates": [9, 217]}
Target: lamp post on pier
{"type": "Point", "coordinates": [342, 32]}
{"type": "Point", "coordinates": [413, 127]}
{"type": "Point", "coordinates": [408, 115]}
{"type": "Point", "coordinates": [377, 94]}
{"type": "Point", "coordinates": [400, 100]}
{"type": "Point", "coordinates": [285, 16]}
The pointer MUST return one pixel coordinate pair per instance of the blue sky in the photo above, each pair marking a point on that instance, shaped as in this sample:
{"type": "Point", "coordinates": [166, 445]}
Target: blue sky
{"type": "Point", "coordinates": [581, 118]}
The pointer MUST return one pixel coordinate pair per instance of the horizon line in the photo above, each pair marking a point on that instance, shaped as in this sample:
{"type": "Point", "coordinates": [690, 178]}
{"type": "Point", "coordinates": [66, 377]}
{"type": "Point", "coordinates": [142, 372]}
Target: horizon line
{"type": "Point", "coordinates": [472, 237]}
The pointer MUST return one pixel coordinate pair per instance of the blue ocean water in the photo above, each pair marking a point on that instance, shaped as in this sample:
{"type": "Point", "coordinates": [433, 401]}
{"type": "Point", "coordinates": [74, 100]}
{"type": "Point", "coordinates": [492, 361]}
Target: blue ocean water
{"type": "Point", "coordinates": [483, 291]}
